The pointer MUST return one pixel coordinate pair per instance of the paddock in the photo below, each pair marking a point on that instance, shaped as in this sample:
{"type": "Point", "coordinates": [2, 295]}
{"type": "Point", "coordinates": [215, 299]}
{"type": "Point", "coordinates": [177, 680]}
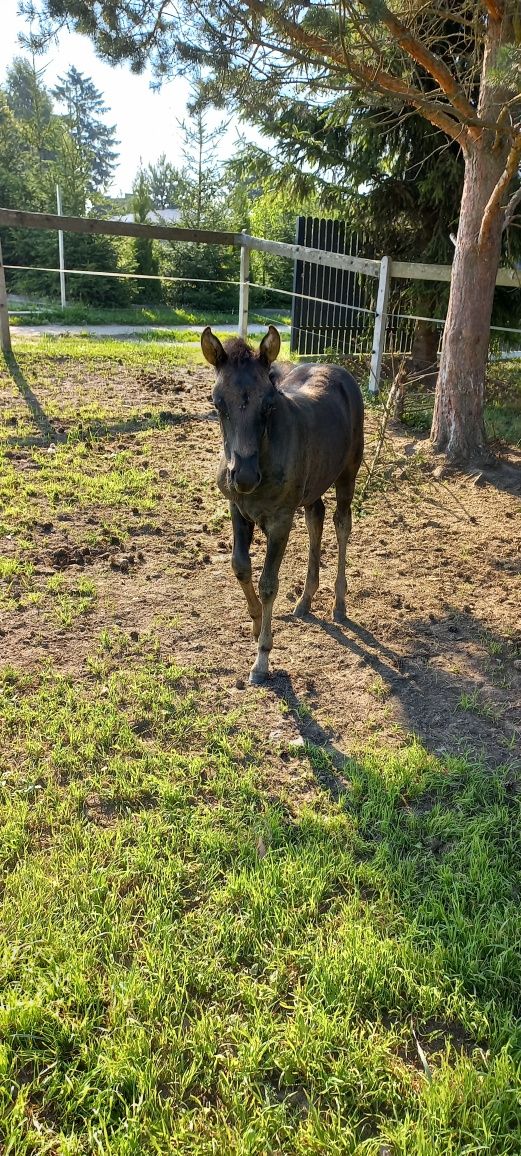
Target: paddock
{"type": "Point", "coordinates": [238, 918]}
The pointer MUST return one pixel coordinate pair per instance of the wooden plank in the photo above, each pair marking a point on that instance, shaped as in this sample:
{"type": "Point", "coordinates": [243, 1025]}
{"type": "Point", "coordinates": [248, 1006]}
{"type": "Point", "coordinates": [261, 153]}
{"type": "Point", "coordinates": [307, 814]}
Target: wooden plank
{"type": "Point", "coordinates": [314, 256]}
{"type": "Point", "coordinates": [416, 271]}
{"type": "Point", "coordinates": [5, 332]}
{"type": "Point", "coordinates": [379, 324]}
{"type": "Point", "coordinates": [511, 278]}
{"type": "Point", "coordinates": [12, 218]}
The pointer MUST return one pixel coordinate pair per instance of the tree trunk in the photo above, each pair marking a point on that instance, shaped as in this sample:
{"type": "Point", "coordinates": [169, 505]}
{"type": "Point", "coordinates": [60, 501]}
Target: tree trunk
{"type": "Point", "coordinates": [458, 423]}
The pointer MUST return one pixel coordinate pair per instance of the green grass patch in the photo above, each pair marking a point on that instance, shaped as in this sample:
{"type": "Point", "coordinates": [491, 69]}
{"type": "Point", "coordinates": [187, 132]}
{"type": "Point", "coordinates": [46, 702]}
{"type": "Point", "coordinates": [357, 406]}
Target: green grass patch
{"type": "Point", "coordinates": [80, 314]}
{"type": "Point", "coordinates": [502, 411]}
{"type": "Point", "coordinates": [79, 475]}
{"type": "Point", "coordinates": [189, 967]}
{"type": "Point", "coordinates": [76, 475]}
{"type": "Point", "coordinates": [143, 350]}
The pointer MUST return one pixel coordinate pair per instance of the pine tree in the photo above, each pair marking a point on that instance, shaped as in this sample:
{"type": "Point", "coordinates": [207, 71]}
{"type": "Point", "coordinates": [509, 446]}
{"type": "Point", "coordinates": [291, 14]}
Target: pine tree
{"type": "Point", "coordinates": [145, 252]}
{"type": "Point", "coordinates": [31, 105]}
{"type": "Point", "coordinates": [95, 141]}
{"type": "Point", "coordinates": [390, 53]}
{"type": "Point", "coordinates": [166, 184]}
{"type": "Point", "coordinates": [200, 200]}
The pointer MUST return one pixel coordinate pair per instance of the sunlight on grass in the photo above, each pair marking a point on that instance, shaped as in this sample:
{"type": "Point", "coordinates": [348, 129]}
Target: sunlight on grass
{"type": "Point", "coordinates": [192, 959]}
{"type": "Point", "coordinates": [70, 603]}
{"type": "Point", "coordinates": [72, 476]}
{"type": "Point", "coordinates": [193, 969]}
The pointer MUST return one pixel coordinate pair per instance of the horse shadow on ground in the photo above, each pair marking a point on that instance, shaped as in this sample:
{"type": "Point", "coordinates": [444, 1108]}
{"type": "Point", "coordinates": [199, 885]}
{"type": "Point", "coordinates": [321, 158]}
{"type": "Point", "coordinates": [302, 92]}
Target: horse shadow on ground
{"type": "Point", "coordinates": [418, 849]}
{"type": "Point", "coordinates": [471, 710]}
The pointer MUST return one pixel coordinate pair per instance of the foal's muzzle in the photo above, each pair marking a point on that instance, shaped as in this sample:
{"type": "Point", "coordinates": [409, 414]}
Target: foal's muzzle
{"type": "Point", "coordinates": [244, 473]}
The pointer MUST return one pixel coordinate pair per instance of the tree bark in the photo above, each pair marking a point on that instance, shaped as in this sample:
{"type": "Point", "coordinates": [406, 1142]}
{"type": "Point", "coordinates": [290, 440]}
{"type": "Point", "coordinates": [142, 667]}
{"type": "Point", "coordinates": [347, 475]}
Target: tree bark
{"type": "Point", "coordinates": [458, 427]}
{"type": "Point", "coordinates": [458, 423]}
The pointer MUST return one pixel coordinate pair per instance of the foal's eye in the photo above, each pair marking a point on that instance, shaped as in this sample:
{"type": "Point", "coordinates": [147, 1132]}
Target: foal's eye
{"type": "Point", "coordinates": [220, 406]}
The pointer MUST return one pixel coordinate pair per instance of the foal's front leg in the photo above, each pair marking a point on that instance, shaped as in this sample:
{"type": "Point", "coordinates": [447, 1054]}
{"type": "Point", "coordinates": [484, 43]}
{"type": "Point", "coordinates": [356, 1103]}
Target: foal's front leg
{"type": "Point", "coordinates": [268, 586]}
{"type": "Point", "coordinates": [241, 564]}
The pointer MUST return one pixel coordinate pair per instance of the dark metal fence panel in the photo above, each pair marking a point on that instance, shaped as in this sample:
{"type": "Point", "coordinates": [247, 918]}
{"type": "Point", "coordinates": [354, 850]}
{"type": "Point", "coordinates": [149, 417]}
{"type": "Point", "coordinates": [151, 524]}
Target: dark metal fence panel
{"type": "Point", "coordinates": [331, 308]}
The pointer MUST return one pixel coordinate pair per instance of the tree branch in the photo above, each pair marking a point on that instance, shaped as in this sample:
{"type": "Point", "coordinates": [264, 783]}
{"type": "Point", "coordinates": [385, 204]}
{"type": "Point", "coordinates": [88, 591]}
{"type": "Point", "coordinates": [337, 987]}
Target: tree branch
{"type": "Point", "coordinates": [432, 64]}
{"type": "Point", "coordinates": [376, 77]}
{"type": "Point", "coordinates": [494, 202]}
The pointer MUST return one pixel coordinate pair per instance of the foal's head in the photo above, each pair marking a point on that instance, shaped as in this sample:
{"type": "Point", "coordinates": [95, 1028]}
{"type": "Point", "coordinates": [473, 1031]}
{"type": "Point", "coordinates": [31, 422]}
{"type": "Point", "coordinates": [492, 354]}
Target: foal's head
{"type": "Point", "coordinates": [243, 396]}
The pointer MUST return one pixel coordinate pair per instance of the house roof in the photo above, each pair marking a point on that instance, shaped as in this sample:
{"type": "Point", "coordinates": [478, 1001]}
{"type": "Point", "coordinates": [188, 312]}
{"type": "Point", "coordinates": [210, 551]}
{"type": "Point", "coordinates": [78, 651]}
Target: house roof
{"type": "Point", "coordinates": [154, 217]}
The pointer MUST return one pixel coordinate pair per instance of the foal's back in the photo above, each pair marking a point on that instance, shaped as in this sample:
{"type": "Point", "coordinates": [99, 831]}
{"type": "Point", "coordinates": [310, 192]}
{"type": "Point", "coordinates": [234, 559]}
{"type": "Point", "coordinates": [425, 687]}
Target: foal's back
{"type": "Point", "coordinates": [327, 416]}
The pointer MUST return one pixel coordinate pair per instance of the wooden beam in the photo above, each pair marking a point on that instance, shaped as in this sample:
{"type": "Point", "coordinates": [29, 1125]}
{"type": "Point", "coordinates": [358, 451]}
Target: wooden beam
{"type": "Point", "coordinates": [314, 256]}
{"type": "Point", "coordinates": [244, 292]}
{"type": "Point", "coordinates": [416, 271]}
{"type": "Point", "coordinates": [12, 218]}
{"type": "Point", "coordinates": [16, 218]}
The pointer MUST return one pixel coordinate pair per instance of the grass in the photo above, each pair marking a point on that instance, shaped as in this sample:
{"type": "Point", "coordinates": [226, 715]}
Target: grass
{"type": "Point", "coordinates": [502, 411]}
{"type": "Point", "coordinates": [187, 967]}
{"type": "Point", "coordinates": [144, 350]}
{"type": "Point", "coordinates": [189, 963]}
{"type": "Point", "coordinates": [80, 314]}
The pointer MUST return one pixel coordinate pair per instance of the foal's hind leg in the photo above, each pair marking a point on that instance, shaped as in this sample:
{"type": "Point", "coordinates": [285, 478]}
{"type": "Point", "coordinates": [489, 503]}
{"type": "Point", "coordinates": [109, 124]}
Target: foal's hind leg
{"type": "Point", "coordinates": [345, 486]}
{"type": "Point", "coordinates": [315, 524]}
{"type": "Point", "coordinates": [241, 564]}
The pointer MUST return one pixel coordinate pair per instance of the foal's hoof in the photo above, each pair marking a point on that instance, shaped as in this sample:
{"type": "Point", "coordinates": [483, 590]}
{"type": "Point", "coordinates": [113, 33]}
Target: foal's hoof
{"type": "Point", "coordinates": [339, 614]}
{"type": "Point", "coordinates": [302, 608]}
{"type": "Point", "coordinates": [257, 677]}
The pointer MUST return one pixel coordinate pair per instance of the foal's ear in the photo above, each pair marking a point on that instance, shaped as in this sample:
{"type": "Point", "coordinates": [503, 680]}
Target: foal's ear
{"type": "Point", "coordinates": [212, 348]}
{"type": "Point", "coordinates": [270, 345]}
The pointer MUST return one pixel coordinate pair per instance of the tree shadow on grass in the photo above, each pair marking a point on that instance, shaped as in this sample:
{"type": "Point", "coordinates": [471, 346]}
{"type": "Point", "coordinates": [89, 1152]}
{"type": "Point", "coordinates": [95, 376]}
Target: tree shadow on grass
{"type": "Point", "coordinates": [46, 427]}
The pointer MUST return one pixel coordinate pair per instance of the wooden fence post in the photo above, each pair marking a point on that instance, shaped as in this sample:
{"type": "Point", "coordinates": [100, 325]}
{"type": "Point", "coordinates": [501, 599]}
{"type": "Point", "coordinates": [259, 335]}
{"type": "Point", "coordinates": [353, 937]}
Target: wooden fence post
{"type": "Point", "coordinates": [5, 333]}
{"type": "Point", "coordinates": [380, 322]}
{"type": "Point", "coordinates": [244, 291]}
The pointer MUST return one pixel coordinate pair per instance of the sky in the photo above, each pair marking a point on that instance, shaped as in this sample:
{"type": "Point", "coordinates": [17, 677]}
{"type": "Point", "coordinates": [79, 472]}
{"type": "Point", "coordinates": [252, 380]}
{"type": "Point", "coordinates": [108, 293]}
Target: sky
{"type": "Point", "coordinates": [146, 121]}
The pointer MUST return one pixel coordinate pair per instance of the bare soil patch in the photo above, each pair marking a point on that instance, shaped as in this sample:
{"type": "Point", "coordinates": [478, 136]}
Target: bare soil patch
{"type": "Point", "coordinates": [433, 642]}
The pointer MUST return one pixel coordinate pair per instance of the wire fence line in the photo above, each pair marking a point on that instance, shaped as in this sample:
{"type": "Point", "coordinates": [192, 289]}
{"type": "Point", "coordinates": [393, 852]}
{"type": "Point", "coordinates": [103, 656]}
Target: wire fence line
{"type": "Point", "coordinates": [375, 328]}
{"type": "Point", "coordinates": [127, 276]}
{"type": "Point", "coordinates": [392, 316]}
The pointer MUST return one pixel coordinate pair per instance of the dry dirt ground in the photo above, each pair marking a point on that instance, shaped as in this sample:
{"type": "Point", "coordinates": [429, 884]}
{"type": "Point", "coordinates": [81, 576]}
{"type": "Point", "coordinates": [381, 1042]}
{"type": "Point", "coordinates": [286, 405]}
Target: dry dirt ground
{"type": "Point", "coordinates": [433, 642]}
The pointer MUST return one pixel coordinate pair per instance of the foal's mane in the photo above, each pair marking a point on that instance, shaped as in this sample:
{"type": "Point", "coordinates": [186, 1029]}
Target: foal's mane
{"type": "Point", "coordinates": [238, 351]}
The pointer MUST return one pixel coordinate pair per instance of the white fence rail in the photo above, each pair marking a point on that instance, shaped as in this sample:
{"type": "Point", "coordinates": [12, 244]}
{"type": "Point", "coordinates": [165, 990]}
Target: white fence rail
{"type": "Point", "coordinates": [383, 270]}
